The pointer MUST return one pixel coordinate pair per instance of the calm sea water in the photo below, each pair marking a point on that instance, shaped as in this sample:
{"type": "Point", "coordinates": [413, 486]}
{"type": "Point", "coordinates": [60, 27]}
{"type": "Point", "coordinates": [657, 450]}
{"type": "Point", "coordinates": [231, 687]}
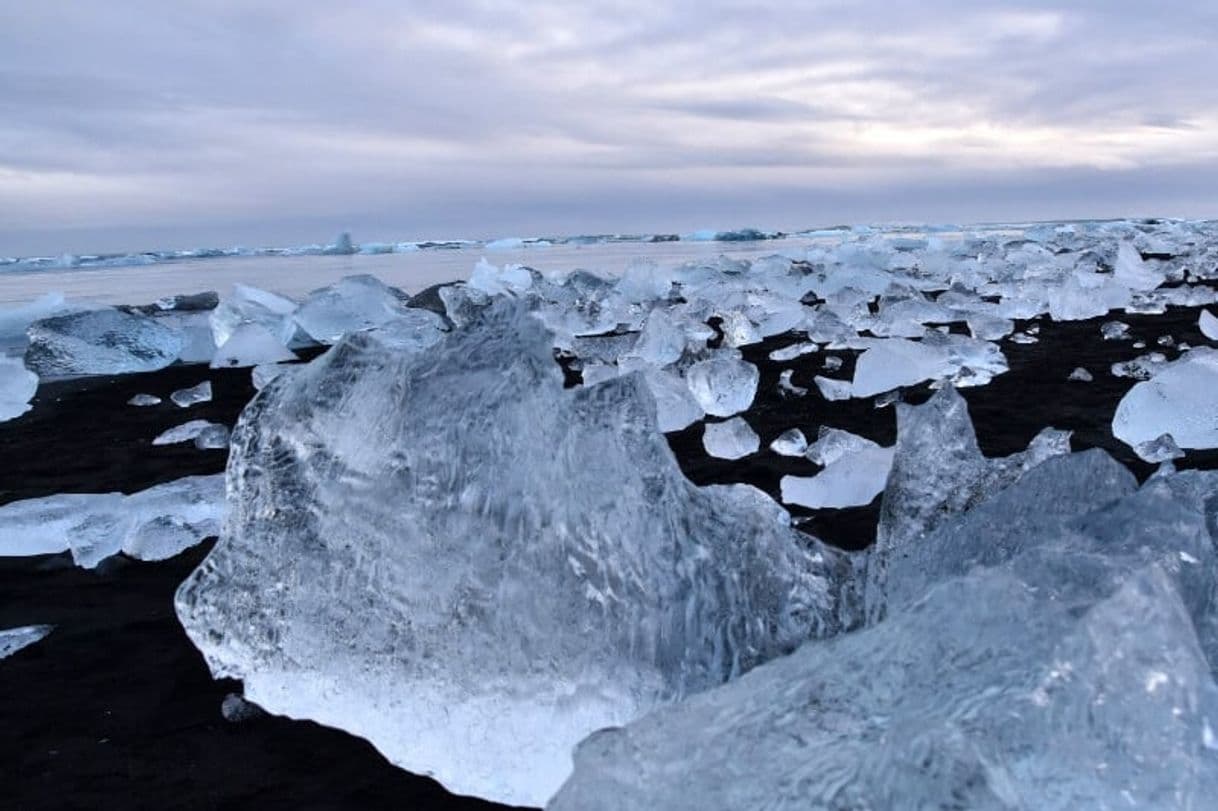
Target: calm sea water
{"type": "Point", "coordinates": [297, 275]}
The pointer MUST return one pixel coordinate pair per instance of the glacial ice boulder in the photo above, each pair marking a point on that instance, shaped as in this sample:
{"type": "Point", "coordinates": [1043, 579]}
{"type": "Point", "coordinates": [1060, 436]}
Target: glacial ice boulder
{"type": "Point", "coordinates": [1181, 399]}
{"type": "Point", "coordinates": [1050, 647]}
{"type": "Point", "coordinates": [100, 342]}
{"type": "Point", "coordinates": [454, 557]}
{"type": "Point", "coordinates": [250, 305]}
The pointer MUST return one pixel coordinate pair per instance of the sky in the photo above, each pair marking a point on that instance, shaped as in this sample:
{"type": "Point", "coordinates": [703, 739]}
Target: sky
{"type": "Point", "coordinates": [131, 125]}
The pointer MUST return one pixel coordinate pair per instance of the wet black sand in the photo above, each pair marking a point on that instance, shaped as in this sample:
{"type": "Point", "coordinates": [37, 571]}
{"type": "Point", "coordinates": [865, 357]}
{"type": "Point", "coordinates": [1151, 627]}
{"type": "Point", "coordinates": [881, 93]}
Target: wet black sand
{"type": "Point", "coordinates": [116, 709]}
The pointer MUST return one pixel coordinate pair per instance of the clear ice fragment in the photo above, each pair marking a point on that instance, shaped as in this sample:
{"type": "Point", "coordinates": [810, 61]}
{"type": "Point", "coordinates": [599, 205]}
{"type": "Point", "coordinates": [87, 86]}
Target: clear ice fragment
{"type": "Point", "coordinates": [731, 439]}
{"type": "Point", "coordinates": [185, 398]}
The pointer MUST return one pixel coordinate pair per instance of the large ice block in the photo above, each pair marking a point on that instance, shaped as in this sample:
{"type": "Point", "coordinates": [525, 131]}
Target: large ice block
{"type": "Point", "coordinates": [1181, 399]}
{"type": "Point", "coordinates": [352, 304]}
{"type": "Point", "coordinates": [17, 387]}
{"type": "Point", "coordinates": [100, 342]}
{"type": "Point", "coordinates": [453, 556]}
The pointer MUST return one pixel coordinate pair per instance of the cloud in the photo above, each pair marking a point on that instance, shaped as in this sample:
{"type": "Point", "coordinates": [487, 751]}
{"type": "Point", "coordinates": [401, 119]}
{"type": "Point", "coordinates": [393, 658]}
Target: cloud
{"type": "Point", "coordinates": [139, 118]}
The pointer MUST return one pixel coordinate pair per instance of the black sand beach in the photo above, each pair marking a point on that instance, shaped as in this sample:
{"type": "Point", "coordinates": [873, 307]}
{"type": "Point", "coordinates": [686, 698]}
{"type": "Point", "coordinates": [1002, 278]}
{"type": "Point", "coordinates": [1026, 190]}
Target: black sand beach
{"type": "Point", "coordinates": [116, 709]}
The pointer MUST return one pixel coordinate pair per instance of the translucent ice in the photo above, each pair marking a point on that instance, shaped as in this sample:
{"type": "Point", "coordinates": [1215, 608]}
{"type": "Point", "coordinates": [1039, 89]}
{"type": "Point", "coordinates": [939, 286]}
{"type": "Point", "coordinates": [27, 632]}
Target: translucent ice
{"type": "Point", "coordinates": [98, 342]}
{"type": "Point", "coordinates": [855, 472]}
{"type": "Point", "coordinates": [676, 407]}
{"type": "Point", "coordinates": [17, 387]}
{"type": "Point", "coordinates": [1208, 323]}
{"type": "Point", "coordinates": [723, 384]}
{"type": "Point", "coordinates": [1081, 375]}
{"type": "Point", "coordinates": [184, 398]}
{"type": "Point", "coordinates": [731, 439]}
{"type": "Point", "coordinates": [144, 400]}
{"type": "Point", "coordinates": [455, 557]}
{"type": "Point", "coordinates": [249, 305]}
{"type": "Point", "coordinates": [1181, 400]}
{"type": "Point", "coordinates": [153, 524]}
{"type": "Point", "coordinates": [1156, 451]}
{"type": "Point", "coordinates": [790, 443]}
{"type": "Point", "coordinates": [897, 362]}
{"type": "Point", "coordinates": [352, 304]}
{"type": "Point", "coordinates": [251, 344]}
{"type": "Point", "coordinates": [793, 351]}
{"type": "Point", "coordinates": [1131, 271]}
{"type": "Point", "coordinates": [787, 388]}
{"type": "Point", "coordinates": [15, 320]}
{"type": "Point", "coordinates": [186, 432]}
{"type": "Point", "coordinates": [213, 437]}
{"type": "Point", "coordinates": [14, 639]}
{"type": "Point", "coordinates": [832, 389]}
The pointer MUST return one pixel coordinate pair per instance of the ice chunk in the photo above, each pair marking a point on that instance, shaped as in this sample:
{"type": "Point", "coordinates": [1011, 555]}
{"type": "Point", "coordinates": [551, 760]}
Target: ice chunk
{"type": "Point", "coordinates": [185, 398]}
{"type": "Point", "coordinates": [790, 443]}
{"type": "Point", "coordinates": [18, 385]}
{"type": "Point", "coordinates": [352, 304]}
{"type": "Point", "coordinates": [676, 407]}
{"type": "Point", "coordinates": [14, 639]}
{"type": "Point", "coordinates": [833, 390]}
{"type": "Point", "coordinates": [897, 362]}
{"type": "Point", "coordinates": [250, 344]}
{"type": "Point", "coordinates": [661, 341]}
{"type": "Point", "coordinates": [456, 558]}
{"type": "Point", "coordinates": [723, 384]}
{"type": "Point", "coordinates": [1087, 295]}
{"type": "Point", "coordinates": [99, 342]}
{"type": "Point", "coordinates": [249, 305]}
{"type": "Point", "coordinates": [507, 280]}
{"type": "Point", "coordinates": [1181, 400]}
{"type": "Point", "coordinates": [732, 439]}
{"type": "Point", "coordinates": [264, 373]}
{"type": "Point", "coordinates": [1141, 368]}
{"type": "Point", "coordinates": [1208, 323]}
{"type": "Point", "coordinates": [186, 432]}
{"type": "Point", "coordinates": [793, 351]}
{"type": "Point", "coordinates": [788, 389]}
{"type": "Point", "coordinates": [15, 320]}
{"type": "Point", "coordinates": [1081, 375]}
{"type": "Point", "coordinates": [1156, 451]}
{"type": "Point", "coordinates": [144, 400]}
{"type": "Point", "coordinates": [1115, 331]}
{"type": "Point", "coordinates": [855, 472]}
{"type": "Point", "coordinates": [1043, 694]}
{"type": "Point", "coordinates": [213, 437]}
{"type": "Point", "coordinates": [153, 524]}
{"type": "Point", "coordinates": [412, 330]}
{"type": "Point", "coordinates": [1132, 272]}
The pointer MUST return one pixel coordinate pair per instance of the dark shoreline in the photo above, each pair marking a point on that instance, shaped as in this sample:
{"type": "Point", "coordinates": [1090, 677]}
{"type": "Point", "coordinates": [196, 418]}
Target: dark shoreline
{"type": "Point", "coordinates": [116, 709]}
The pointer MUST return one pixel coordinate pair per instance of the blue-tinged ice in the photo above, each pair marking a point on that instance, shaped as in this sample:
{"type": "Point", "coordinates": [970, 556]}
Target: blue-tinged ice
{"type": "Point", "coordinates": [352, 304]}
{"type": "Point", "coordinates": [456, 558]}
{"type": "Point", "coordinates": [14, 639]}
{"type": "Point", "coordinates": [185, 398]}
{"type": "Point", "coordinates": [18, 385]}
{"type": "Point", "coordinates": [1181, 399]}
{"type": "Point", "coordinates": [97, 342]}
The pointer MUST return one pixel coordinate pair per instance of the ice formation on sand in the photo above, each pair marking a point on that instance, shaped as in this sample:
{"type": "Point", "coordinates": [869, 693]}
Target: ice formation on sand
{"type": "Point", "coordinates": [1047, 644]}
{"type": "Point", "coordinates": [855, 472]}
{"type": "Point", "coordinates": [186, 432]}
{"type": "Point", "coordinates": [1181, 399]}
{"type": "Point", "coordinates": [14, 639]}
{"type": "Point", "coordinates": [251, 345]}
{"type": "Point", "coordinates": [17, 387]}
{"type": "Point", "coordinates": [144, 400]}
{"type": "Point", "coordinates": [100, 342]}
{"type": "Point", "coordinates": [152, 524]}
{"type": "Point", "coordinates": [184, 398]}
{"type": "Point", "coordinates": [456, 558]}
{"type": "Point", "coordinates": [724, 384]}
{"type": "Point", "coordinates": [790, 443]}
{"type": "Point", "coordinates": [249, 305]}
{"type": "Point", "coordinates": [731, 439]}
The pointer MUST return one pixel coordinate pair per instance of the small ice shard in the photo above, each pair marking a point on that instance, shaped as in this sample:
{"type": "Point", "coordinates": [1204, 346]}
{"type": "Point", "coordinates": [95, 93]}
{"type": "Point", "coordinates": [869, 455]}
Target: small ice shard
{"type": "Point", "coordinates": [788, 389]}
{"type": "Point", "coordinates": [1208, 323]}
{"type": "Point", "coordinates": [788, 353]}
{"type": "Point", "coordinates": [732, 439]}
{"type": "Point", "coordinates": [1114, 331]}
{"type": "Point", "coordinates": [790, 443]}
{"type": "Point", "coordinates": [737, 329]}
{"type": "Point", "coordinates": [236, 710]}
{"type": "Point", "coordinates": [1081, 375]}
{"type": "Point", "coordinates": [832, 389]}
{"type": "Point", "coordinates": [832, 363]}
{"type": "Point", "coordinates": [213, 437]}
{"type": "Point", "coordinates": [1165, 340]}
{"type": "Point", "coordinates": [855, 472]}
{"type": "Point", "coordinates": [185, 398]}
{"type": "Point", "coordinates": [724, 384]}
{"type": "Point", "coordinates": [1023, 338]}
{"type": "Point", "coordinates": [676, 407]}
{"type": "Point", "coordinates": [152, 524]}
{"type": "Point", "coordinates": [1143, 367]}
{"type": "Point", "coordinates": [18, 385]}
{"type": "Point", "coordinates": [497, 281]}
{"type": "Point", "coordinates": [186, 432]}
{"type": "Point", "coordinates": [14, 639]}
{"type": "Point", "coordinates": [456, 558]}
{"type": "Point", "coordinates": [1158, 450]}
{"type": "Point", "coordinates": [352, 304]}
{"type": "Point", "coordinates": [1181, 400]}
{"type": "Point", "coordinates": [251, 344]}
{"type": "Point", "coordinates": [1132, 271]}
{"type": "Point", "coordinates": [100, 342]}
{"type": "Point", "coordinates": [144, 400]}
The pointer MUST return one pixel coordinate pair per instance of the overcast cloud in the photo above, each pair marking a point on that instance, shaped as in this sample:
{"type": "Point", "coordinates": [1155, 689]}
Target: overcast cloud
{"type": "Point", "coordinates": [132, 124]}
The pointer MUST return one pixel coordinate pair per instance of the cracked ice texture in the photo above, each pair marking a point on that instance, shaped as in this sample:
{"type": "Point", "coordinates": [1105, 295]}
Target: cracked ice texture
{"type": "Point", "coordinates": [99, 342]}
{"type": "Point", "coordinates": [454, 557]}
{"type": "Point", "coordinates": [1009, 672]}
